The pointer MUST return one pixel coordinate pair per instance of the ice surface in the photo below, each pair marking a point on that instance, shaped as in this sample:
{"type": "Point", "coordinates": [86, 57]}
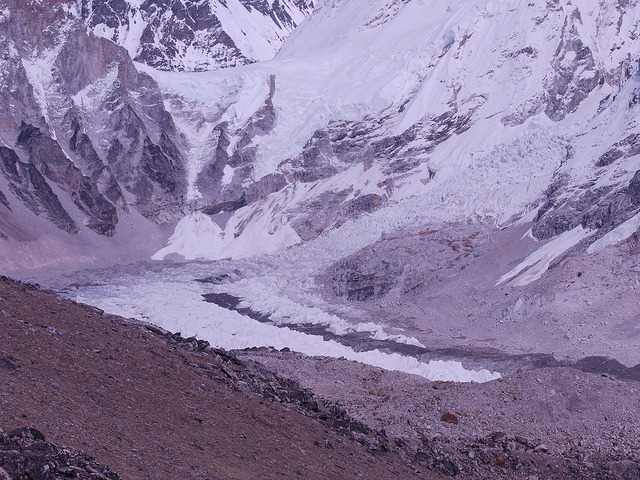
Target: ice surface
{"type": "Point", "coordinates": [196, 236]}
{"type": "Point", "coordinates": [173, 301]}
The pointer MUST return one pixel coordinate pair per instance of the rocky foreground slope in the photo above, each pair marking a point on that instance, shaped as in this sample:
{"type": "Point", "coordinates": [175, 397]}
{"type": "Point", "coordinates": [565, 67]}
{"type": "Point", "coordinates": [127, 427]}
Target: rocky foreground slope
{"type": "Point", "coordinates": [25, 453]}
{"type": "Point", "coordinates": [151, 404]}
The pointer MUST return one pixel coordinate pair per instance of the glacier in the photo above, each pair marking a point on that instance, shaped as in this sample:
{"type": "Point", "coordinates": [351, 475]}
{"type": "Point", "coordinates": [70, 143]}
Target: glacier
{"type": "Point", "coordinates": [415, 173]}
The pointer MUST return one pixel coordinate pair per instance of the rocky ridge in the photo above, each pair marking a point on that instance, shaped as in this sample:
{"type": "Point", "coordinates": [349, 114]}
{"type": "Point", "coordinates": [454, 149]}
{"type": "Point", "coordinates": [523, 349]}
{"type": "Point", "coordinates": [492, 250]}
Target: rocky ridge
{"type": "Point", "coordinates": [539, 423]}
{"type": "Point", "coordinates": [188, 35]}
{"type": "Point", "coordinates": [87, 145]}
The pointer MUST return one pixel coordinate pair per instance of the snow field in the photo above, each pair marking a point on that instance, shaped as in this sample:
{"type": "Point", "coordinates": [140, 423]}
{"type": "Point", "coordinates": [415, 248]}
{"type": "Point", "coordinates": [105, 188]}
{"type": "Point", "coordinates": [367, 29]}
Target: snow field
{"type": "Point", "coordinates": [538, 262]}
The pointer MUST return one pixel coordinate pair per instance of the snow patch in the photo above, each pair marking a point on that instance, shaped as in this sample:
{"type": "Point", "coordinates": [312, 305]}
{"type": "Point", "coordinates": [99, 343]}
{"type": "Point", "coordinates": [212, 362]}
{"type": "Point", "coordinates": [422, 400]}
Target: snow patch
{"type": "Point", "coordinates": [227, 174]}
{"type": "Point", "coordinates": [102, 30]}
{"type": "Point", "coordinates": [91, 97]}
{"type": "Point", "coordinates": [257, 36]}
{"type": "Point", "coordinates": [39, 73]}
{"type": "Point", "coordinates": [195, 237]}
{"type": "Point", "coordinates": [39, 69]}
{"type": "Point", "coordinates": [132, 36]}
{"type": "Point", "coordinates": [378, 333]}
{"type": "Point", "coordinates": [618, 234]}
{"type": "Point", "coordinates": [71, 9]}
{"type": "Point", "coordinates": [534, 266]}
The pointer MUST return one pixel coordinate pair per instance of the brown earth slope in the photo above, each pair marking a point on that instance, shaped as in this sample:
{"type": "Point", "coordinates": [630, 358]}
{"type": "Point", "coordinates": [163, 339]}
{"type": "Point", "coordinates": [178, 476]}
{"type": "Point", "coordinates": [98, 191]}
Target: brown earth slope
{"type": "Point", "coordinates": [149, 408]}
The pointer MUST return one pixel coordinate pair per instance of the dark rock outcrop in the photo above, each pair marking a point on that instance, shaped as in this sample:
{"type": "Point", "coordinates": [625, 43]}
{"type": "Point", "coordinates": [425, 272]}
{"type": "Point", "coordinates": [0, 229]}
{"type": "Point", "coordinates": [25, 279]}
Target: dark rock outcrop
{"type": "Point", "coordinates": [100, 173]}
{"type": "Point", "coordinates": [574, 72]}
{"type": "Point", "coordinates": [241, 189]}
{"type": "Point", "coordinates": [46, 153]}
{"type": "Point", "coordinates": [355, 282]}
{"type": "Point", "coordinates": [31, 188]}
{"type": "Point", "coordinates": [25, 454]}
{"type": "Point", "coordinates": [403, 261]}
{"type": "Point", "coordinates": [601, 209]}
{"type": "Point", "coordinates": [628, 147]}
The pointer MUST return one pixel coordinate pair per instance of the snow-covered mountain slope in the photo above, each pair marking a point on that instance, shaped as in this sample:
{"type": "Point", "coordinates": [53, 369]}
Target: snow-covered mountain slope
{"type": "Point", "coordinates": [434, 112]}
{"type": "Point", "coordinates": [436, 170]}
{"type": "Point", "coordinates": [196, 35]}
{"type": "Point", "coordinates": [88, 148]}
{"type": "Point", "coordinates": [426, 112]}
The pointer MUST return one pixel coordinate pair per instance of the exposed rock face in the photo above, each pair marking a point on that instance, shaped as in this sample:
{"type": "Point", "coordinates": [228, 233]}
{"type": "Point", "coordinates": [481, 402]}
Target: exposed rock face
{"type": "Point", "coordinates": [409, 262]}
{"type": "Point", "coordinates": [331, 209]}
{"type": "Point", "coordinates": [505, 429]}
{"type": "Point", "coordinates": [574, 73]}
{"type": "Point", "coordinates": [195, 35]}
{"type": "Point", "coordinates": [343, 144]}
{"type": "Point", "coordinates": [25, 453]}
{"type": "Point", "coordinates": [168, 33]}
{"type": "Point", "coordinates": [241, 189]}
{"type": "Point", "coordinates": [355, 283]}
{"type": "Point", "coordinates": [574, 197]}
{"type": "Point", "coordinates": [596, 209]}
{"type": "Point", "coordinates": [28, 184]}
{"type": "Point", "coordinates": [85, 135]}
{"type": "Point", "coordinates": [45, 152]}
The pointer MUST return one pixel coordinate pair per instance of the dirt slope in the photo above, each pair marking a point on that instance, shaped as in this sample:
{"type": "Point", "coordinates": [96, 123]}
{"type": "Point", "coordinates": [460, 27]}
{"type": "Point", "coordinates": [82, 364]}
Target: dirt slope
{"type": "Point", "coordinates": [150, 409]}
